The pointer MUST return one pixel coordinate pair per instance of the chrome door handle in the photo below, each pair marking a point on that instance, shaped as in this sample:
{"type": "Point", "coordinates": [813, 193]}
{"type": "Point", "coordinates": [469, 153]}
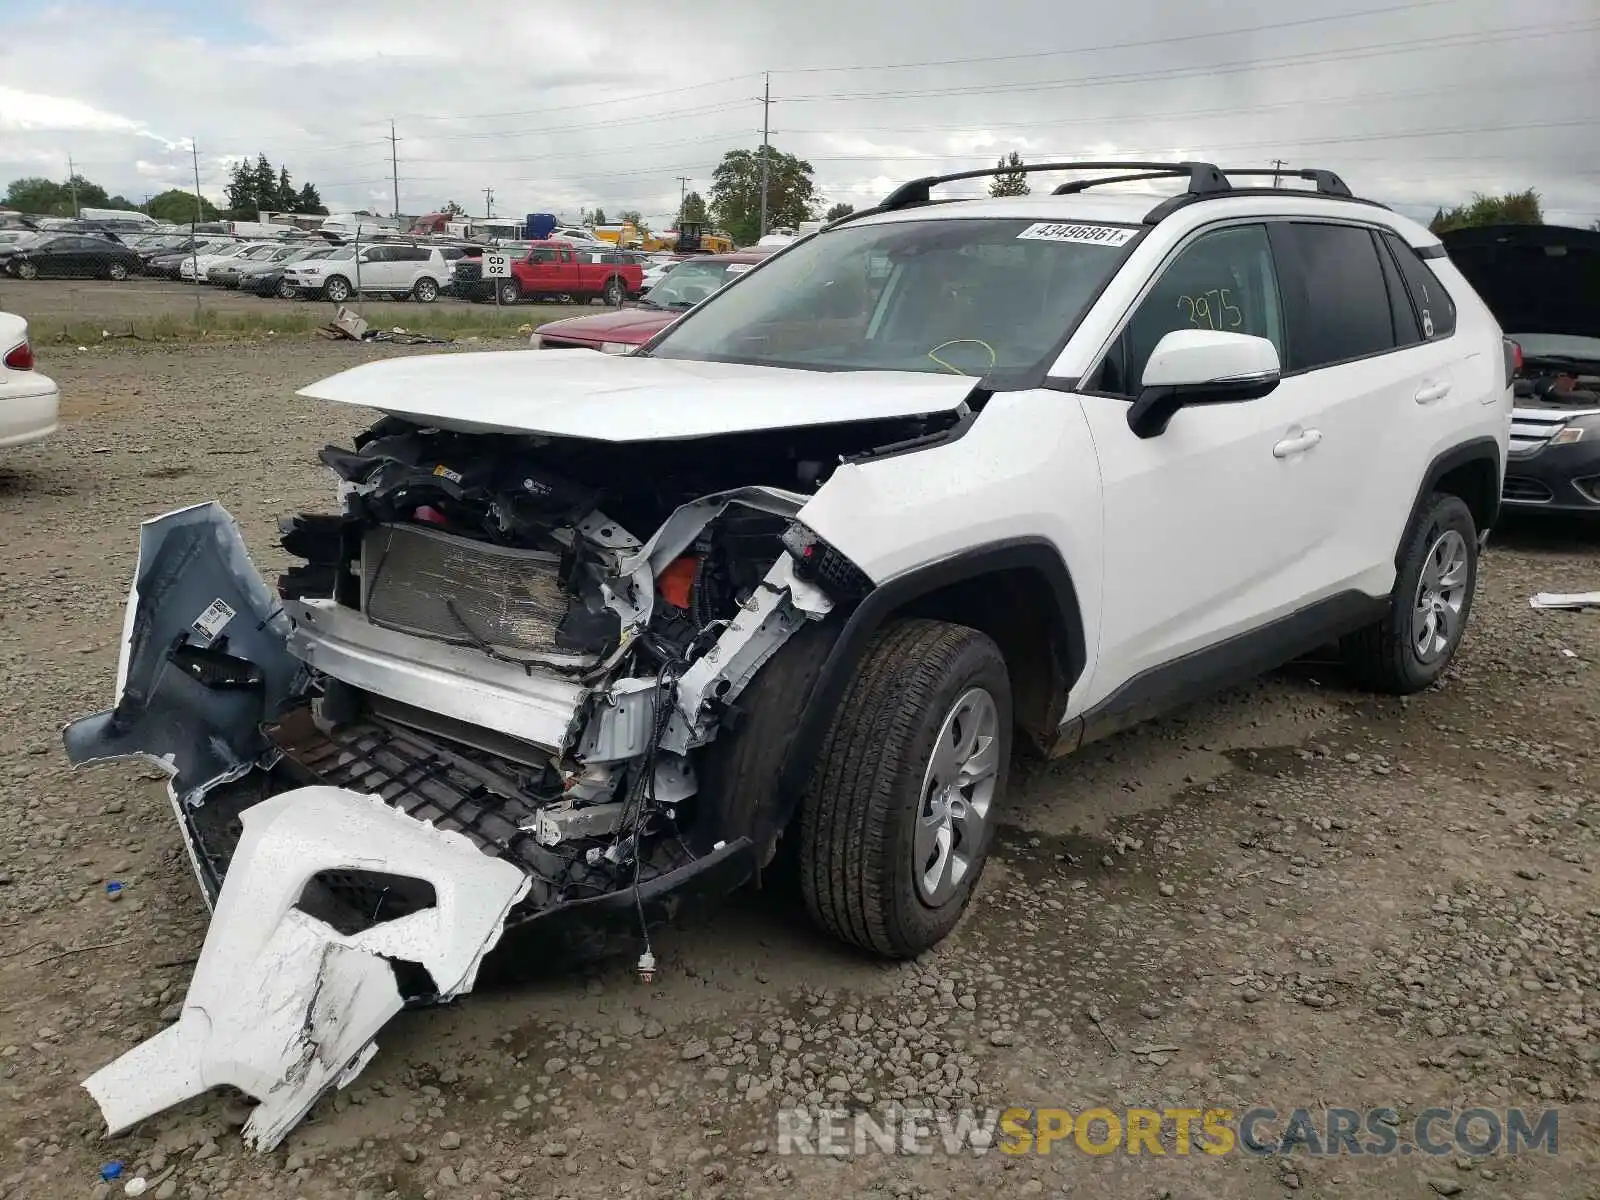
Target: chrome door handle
{"type": "Point", "coordinates": [1429, 392]}
{"type": "Point", "coordinates": [1297, 445]}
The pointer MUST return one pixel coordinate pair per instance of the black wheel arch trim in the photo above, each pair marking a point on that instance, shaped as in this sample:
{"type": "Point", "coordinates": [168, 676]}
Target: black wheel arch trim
{"type": "Point", "coordinates": [1480, 449]}
{"type": "Point", "coordinates": [865, 618]}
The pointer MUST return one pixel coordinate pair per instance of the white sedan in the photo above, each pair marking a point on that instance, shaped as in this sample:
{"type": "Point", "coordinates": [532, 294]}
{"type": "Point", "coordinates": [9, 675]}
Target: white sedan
{"type": "Point", "coordinates": [29, 401]}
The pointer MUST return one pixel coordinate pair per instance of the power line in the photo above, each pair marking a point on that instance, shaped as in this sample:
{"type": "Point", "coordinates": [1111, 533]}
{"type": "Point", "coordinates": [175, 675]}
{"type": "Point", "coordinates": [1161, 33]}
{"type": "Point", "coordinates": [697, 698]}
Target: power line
{"type": "Point", "coordinates": [1185, 114]}
{"type": "Point", "coordinates": [534, 112]}
{"type": "Point", "coordinates": [1105, 46]}
{"type": "Point", "coordinates": [1369, 50]}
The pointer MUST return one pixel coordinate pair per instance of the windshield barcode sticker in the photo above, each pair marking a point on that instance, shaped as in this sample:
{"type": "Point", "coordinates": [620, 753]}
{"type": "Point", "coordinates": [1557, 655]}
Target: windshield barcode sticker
{"type": "Point", "coordinates": [214, 620]}
{"type": "Point", "coordinates": [1083, 235]}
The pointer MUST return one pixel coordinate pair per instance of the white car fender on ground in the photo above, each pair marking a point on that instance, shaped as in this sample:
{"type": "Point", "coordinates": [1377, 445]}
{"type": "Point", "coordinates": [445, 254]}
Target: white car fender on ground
{"type": "Point", "coordinates": [282, 1005]}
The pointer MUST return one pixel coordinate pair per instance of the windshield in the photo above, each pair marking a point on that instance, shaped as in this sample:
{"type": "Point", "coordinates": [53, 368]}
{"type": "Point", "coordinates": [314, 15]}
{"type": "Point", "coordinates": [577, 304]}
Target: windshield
{"type": "Point", "coordinates": [983, 297]}
{"type": "Point", "coordinates": [689, 283]}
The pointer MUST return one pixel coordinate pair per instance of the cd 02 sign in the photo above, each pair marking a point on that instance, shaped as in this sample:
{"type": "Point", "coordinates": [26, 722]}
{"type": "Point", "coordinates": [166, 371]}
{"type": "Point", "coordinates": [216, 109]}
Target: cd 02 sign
{"type": "Point", "coordinates": [497, 266]}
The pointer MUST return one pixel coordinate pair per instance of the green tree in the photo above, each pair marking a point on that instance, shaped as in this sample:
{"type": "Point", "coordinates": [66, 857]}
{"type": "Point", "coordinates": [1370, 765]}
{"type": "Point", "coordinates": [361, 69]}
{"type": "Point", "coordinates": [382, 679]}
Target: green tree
{"type": "Point", "coordinates": [36, 195]}
{"type": "Point", "coordinates": [452, 209]}
{"type": "Point", "coordinates": [284, 195]}
{"type": "Point", "coordinates": [309, 201]}
{"type": "Point", "coordinates": [177, 206]}
{"type": "Point", "coordinates": [694, 208]}
{"type": "Point", "coordinates": [736, 192]}
{"type": "Point", "coordinates": [598, 216]}
{"type": "Point", "coordinates": [1010, 183]}
{"type": "Point", "coordinates": [635, 218]}
{"type": "Point", "coordinates": [839, 211]}
{"type": "Point", "coordinates": [1514, 208]}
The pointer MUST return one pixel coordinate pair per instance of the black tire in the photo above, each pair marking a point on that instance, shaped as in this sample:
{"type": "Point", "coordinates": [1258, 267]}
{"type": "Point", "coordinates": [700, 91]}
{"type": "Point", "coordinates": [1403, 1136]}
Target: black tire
{"type": "Point", "coordinates": [1383, 656]}
{"type": "Point", "coordinates": [336, 289]}
{"type": "Point", "coordinates": [616, 292]}
{"type": "Point", "coordinates": [286, 290]}
{"type": "Point", "coordinates": [425, 291]}
{"type": "Point", "coordinates": [116, 272]}
{"type": "Point", "coordinates": [510, 292]}
{"type": "Point", "coordinates": [858, 818]}
{"type": "Point", "coordinates": [27, 270]}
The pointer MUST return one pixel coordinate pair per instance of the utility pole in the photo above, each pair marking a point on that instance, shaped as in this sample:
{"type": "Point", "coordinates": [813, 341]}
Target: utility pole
{"type": "Point", "coordinates": [72, 181]}
{"type": "Point", "coordinates": [1277, 167]}
{"type": "Point", "coordinates": [199, 215]}
{"type": "Point", "coordinates": [766, 126]}
{"type": "Point", "coordinates": [683, 198]}
{"type": "Point", "coordinates": [488, 202]}
{"type": "Point", "coordinates": [394, 166]}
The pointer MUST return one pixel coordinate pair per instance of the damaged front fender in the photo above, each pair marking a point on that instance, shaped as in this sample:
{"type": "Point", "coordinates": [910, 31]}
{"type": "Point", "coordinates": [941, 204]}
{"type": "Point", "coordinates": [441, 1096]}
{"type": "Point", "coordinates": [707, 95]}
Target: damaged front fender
{"type": "Point", "coordinates": [283, 1005]}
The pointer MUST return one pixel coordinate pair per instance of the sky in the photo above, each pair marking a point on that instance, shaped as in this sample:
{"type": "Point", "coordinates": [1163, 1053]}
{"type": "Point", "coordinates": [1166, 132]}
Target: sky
{"type": "Point", "coordinates": [562, 108]}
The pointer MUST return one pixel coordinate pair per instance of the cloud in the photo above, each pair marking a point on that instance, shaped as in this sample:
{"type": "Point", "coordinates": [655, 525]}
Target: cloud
{"type": "Point", "coordinates": [1418, 103]}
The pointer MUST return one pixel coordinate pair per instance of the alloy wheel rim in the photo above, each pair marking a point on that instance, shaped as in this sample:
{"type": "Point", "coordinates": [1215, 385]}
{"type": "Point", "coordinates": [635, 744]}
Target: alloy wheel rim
{"type": "Point", "coordinates": [957, 793]}
{"type": "Point", "coordinates": [1441, 597]}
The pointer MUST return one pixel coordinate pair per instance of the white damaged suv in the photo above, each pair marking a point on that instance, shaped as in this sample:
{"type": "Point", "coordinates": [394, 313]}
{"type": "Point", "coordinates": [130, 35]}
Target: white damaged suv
{"type": "Point", "coordinates": [587, 634]}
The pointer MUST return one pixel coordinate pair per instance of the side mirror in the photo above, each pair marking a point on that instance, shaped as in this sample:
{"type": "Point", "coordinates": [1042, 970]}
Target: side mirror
{"type": "Point", "coordinates": [1201, 366]}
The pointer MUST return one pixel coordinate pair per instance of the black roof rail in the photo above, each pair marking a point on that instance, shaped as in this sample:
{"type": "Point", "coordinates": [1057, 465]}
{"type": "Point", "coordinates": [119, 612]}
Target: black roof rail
{"type": "Point", "coordinates": [1204, 180]}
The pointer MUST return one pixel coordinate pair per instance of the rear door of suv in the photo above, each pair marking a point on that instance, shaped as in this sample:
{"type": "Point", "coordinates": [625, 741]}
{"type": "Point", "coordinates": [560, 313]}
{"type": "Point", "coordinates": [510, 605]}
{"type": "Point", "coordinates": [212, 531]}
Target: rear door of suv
{"type": "Point", "coordinates": [1355, 333]}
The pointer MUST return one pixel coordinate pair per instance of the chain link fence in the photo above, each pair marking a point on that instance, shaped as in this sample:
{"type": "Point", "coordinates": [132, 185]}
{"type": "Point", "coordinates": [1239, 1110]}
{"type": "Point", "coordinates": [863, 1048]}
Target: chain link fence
{"type": "Point", "coordinates": [83, 283]}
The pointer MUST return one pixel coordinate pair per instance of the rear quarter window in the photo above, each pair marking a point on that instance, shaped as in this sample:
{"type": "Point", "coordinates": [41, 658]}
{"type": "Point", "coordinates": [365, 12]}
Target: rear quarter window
{"type": "Point", "coordinates": [1435, 310]}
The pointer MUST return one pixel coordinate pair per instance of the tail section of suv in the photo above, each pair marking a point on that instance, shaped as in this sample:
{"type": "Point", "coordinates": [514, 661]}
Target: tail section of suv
{"type": "Point", "coordinates": [584, 634]}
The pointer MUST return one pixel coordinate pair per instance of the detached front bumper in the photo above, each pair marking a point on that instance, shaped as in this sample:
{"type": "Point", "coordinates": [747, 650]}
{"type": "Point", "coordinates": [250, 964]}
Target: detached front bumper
{"type": "Point", "coordinates": [283, 1005]}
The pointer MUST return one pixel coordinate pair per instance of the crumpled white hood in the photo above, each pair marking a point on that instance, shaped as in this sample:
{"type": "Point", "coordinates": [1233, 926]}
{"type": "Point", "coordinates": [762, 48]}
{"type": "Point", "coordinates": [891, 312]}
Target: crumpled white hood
{"type": "Point", "coordinates": [618, 398]}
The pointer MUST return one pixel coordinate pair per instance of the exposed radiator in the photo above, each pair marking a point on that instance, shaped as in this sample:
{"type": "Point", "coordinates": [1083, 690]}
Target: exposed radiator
{"type": "Point", "coordinates": [420, 580]}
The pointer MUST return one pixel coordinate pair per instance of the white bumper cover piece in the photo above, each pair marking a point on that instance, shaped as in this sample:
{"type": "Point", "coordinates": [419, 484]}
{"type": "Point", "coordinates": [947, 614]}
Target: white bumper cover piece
{"type": "Point", "coordinates": [282, 1005]}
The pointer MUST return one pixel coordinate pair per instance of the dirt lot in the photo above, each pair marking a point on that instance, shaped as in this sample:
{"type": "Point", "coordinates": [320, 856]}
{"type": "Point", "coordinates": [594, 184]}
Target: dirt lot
{"type": "Point", "coordinates": [83, 309]}
{"type": "Point", "coordinates": [1292, 896]}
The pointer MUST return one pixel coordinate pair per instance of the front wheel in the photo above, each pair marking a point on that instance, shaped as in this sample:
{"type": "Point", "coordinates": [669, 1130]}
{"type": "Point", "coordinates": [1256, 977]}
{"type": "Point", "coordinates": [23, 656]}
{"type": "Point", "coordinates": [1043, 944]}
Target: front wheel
{"type": "Point", "coordinates": [27, 270]}
{"type": "Point", "coordinates": [426, 291]}
{"type": "Point", "coordinates": [616, 291]}
{"type": "Point", "coordinates": [337, 289]}
{"type": "Point", "coordinates": [286, 290]}
{"type": "Point", "coordinates": [1409, 649]}
{"type": "Point", "coordinates": [899, 812]}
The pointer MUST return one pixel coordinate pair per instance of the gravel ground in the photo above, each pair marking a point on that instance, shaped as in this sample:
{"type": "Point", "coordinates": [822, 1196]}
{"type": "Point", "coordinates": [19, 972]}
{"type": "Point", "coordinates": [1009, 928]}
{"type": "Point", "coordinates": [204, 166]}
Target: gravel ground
{"type": "Point", "coordinates": [51, 304]}
{"type": "Point", "coordinates": [1294, 895]}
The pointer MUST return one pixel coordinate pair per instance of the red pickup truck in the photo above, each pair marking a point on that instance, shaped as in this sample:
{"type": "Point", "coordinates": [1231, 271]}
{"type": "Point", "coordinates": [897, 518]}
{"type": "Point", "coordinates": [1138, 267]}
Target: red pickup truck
{"type": "Point", "coordinates": [555, 268]}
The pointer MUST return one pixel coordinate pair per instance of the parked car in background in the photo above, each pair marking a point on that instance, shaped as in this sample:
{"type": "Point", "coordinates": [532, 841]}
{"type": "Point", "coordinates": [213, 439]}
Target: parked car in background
{"type": "Point", "coordinates": [1542, 282]}
{"type": "Point", "coordinates": [384, 268]}
{"type": "Point", "coordinates": [165, 264]}
{"type": "Point", "coordinates": [29, 401]}
{"type": "Point", "coordinates": [621, 332]}
{"type": "Point", "coordinates": [267, 279]}
{"type": "Point", "coordinates": [555, 268]}
{"type": "Point", "coordinates": [71, 256]}
{"type": "Point", "coordinates": [195, 267]}
{"type": "Point", "coordinates": [226, 272]}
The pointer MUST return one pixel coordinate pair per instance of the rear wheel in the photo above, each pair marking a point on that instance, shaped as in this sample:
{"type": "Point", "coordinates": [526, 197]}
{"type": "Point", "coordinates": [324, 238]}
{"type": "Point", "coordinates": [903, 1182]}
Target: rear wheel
{"type": "Point", "coordinates": [426, 291]}
{"type": "Point", "coordinates": [899, 812]}
{"type": "Point", "coordinates": [510, 293]}
{"type": "Point", "coordinates": [117, 272]}
{"type": "Point", "coordinates": [1410, 648]}
{"type": "Point", "coordinates": [337, 289]}
{"type": "Point", "coordinates": [616, 291]}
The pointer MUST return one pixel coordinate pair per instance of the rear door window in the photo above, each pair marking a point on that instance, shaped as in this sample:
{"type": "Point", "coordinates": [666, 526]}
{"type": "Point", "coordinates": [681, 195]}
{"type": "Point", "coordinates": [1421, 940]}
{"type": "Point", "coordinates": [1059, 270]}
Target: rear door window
{"type": "Point", "coordinates": [1334, 294]}
{"type": "Point", "coordinates": [1435, 309]}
